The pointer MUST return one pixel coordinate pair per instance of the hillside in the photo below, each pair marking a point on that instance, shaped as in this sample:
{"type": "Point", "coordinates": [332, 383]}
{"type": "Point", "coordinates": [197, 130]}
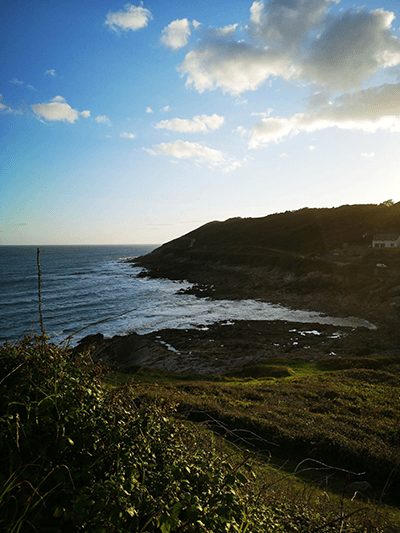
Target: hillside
{"type": "Point", "coordinates": [319, 259]}
{"type": "Point", "coordinates": [305, 231]}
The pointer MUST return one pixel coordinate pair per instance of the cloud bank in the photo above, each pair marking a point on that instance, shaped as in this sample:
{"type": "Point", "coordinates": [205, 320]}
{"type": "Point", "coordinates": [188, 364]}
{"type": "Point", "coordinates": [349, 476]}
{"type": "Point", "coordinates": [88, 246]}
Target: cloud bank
{"type": "Point", "coordinates": [296, 40]}
{"type": "Point", "coordinates": [376, 108]}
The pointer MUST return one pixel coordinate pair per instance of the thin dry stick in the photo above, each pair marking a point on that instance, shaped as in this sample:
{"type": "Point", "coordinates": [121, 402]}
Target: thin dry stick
{"type": "Point", "coordinates": [95, 324]}
{"type": "Point", "coordinates": [40, 294]}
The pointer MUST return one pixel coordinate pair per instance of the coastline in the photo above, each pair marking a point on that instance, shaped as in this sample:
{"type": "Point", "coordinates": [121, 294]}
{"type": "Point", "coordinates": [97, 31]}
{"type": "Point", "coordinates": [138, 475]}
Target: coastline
{"type": "Point", "coordinates": [227, 348]}
{"type": "Point", "coordinates": [290, 280]}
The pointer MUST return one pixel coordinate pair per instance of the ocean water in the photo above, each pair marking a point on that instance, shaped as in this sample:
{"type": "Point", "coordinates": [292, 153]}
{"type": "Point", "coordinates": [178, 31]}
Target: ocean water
{"type": "Point", "coordinates": [81, 285]}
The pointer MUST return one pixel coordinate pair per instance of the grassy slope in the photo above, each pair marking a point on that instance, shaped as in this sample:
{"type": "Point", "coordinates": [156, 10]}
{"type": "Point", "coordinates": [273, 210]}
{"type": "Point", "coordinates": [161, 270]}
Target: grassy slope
{"type": "Point", "coordinates": [79, 452]}
{"type": "Point", "coordinates": [344, 412]}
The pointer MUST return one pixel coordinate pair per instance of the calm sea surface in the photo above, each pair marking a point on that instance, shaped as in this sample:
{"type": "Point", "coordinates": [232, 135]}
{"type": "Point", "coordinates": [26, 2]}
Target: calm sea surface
{"type": "Point", "coordinates": [85, 284]}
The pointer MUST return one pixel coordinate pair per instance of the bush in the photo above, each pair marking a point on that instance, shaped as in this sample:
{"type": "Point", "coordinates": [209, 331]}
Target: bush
{"type": "Point", "coordinates": [78, 456]}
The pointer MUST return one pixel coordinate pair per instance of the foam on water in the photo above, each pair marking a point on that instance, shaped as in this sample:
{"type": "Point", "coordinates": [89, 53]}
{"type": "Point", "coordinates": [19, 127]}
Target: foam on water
{"type": "Point", "coordinates": [82, 285]}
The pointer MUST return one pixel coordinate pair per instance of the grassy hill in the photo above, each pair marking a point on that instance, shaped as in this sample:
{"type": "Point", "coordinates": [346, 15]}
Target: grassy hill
{"type": "Point", "coordinates": [306, 231]}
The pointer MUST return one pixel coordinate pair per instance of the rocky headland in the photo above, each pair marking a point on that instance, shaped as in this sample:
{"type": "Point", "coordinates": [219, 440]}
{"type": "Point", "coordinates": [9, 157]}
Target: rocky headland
{"type": "Point", "coordinates": [314, 259]}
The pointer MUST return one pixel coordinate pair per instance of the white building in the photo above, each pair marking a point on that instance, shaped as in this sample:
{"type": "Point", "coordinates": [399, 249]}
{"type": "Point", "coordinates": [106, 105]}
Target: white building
{"type": "Point", "coordinates": [386, 240]}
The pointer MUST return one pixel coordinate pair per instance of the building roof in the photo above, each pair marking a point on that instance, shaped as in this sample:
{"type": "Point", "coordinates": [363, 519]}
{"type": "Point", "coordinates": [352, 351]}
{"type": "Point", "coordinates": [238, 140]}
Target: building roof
{"type": "Point", "coordinates": [386, 237]}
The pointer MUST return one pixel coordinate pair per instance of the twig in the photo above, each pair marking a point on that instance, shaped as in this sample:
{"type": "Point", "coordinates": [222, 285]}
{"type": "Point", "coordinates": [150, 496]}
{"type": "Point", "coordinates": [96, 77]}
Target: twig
{"type": "Point", "coordinates": [387, 484]}
{"type": "Point", "coordinates": [297, 471]}
{"type": "Point", "coordinates": [9, 374]}
{"type": "Point", "coordinates": [95, 324]}
{"type": "Point", "coordinates": [40, 294]}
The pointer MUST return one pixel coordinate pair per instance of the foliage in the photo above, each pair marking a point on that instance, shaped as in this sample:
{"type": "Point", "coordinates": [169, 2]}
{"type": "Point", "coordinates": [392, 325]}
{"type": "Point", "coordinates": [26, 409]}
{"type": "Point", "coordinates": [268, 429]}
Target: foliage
{"type": "Point", "coordinates": [388, 203]}
{"type": "Point", "coordinates": [78, 456]}
{"type": "Point", "coordinates": [342, 411]}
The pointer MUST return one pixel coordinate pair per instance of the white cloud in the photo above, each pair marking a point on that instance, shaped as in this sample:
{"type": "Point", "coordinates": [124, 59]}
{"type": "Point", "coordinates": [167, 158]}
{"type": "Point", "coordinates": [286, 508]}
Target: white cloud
{"type": "Point", "coordinates": [233, 67]}
{"type": "Point", "coordinates": [283, 24]}
{"type": "Point", "coordinates": [368, 155]}
{"type": "Point", "coordinates": [241, 130]}
{"type": "Point", "coordinates": [58, 109]}
{"type": "Point", "coordinates": [103, 119]}
{"type": "Point", "coordinates": [176, 34]}
{"type": "Point", "coordinates": [50, 72]}
{"type": "Point", "coordinates": [130, 18]}
{"type": "Point", "coordinates": [256, 12]}
{"type": "Point", "coordinates": [297, 40]}
{"type": "Point", "coordinates": [4, 108]}
{"type": "Point", "coordinates": [201, 123]}
{"type": "Point", "coordinates": [311, 148]}
{"type": "Point", "coordinates": [262, 113]}
{"type": "Point", "coordinates": [272, 129]}
{"type": "Point", "coordinates": [126, 135]}
{"type": "Point", "coordinates": [201, 154]}
{"type": "Point", "coordinates": [351, 48]}
{"type": "Point", "coordinates": [15, 81]}
{"type": "Point", "coordinates": [149, 110]}
{"type": "Point", "coordinates": [369, 110]}
{"type": "Point", "coordinates": [165, 109]}
{"type": "Point", "coordinates": [226, 31]}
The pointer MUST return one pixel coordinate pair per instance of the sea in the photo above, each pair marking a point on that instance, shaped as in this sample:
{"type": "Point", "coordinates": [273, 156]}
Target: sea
{"type": "Point", "coordinates": [95, 289]}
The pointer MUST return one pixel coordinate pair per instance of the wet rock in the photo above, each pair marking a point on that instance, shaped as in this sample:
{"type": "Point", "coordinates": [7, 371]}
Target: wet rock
{"type": "Point", "coordinates": [359, 489]}
{"type": "Point", "coordinates": [226, 348]}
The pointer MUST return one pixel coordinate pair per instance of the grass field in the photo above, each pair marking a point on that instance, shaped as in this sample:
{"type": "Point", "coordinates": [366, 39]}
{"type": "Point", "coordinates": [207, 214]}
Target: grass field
{"type": "Point", "coordinates": [274, 449]}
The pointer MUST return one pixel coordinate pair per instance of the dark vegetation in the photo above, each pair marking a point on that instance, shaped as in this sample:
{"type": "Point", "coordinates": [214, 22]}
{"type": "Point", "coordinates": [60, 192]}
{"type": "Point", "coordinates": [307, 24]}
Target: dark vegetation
{"type": "Point", "coordinates": [83, 449]}
{"type": "Point", "coordinates": [277, 444]}
{"type": "Point", "coordinates": [306, 231]}
{"type": "Point", "coordinates": [295, 240]}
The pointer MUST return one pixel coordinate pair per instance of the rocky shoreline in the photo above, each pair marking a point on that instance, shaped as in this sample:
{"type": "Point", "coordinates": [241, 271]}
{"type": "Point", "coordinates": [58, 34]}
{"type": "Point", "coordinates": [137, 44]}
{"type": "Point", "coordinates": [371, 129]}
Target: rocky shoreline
{"type": "Point", "coordinates": [291, 280]}
{"type": "Point", "coordinates": [226, 348]}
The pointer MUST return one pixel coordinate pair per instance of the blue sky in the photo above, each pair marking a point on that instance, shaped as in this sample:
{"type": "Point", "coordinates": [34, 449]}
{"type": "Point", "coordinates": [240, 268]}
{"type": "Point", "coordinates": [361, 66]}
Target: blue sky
{"type": "Point", "coordinates": [136, 123]}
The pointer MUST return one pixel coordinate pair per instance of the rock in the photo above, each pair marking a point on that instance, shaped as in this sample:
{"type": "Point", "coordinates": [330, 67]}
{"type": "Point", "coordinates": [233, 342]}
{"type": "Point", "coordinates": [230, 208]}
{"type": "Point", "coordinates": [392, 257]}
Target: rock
{"type": "Point", "coordinates": [360, 489]}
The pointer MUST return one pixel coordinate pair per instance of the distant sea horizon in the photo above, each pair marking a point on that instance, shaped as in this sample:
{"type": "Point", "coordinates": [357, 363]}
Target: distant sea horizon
{"type": "Point", "coordinates": [83, 284]}
{"type": "Point", "coordinates": [77, 285]}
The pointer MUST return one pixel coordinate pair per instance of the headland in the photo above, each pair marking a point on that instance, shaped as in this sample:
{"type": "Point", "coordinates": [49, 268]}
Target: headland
{"type": "Point", "coordinates": [322, 260]}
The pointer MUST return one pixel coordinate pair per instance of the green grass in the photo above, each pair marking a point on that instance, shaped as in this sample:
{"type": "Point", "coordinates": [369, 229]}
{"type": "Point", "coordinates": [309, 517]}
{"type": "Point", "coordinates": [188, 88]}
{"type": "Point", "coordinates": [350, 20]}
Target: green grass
{"type": "Point", "coordinates": [83, 449]}
{"type": "Point", "coordinates": [345, 412]}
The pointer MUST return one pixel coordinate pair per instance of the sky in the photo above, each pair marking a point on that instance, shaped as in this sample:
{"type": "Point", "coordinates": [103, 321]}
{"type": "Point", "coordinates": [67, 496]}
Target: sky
{"type": "Point", "coordinates": [135, 123]}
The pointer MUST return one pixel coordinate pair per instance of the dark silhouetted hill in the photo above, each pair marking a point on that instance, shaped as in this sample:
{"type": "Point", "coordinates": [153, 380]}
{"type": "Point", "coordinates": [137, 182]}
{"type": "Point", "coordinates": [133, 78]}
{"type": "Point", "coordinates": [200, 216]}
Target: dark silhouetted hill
{"type": "Point", "coordinates": [312, 258]}
{"type": "Point", "coordinates": [304, 231]}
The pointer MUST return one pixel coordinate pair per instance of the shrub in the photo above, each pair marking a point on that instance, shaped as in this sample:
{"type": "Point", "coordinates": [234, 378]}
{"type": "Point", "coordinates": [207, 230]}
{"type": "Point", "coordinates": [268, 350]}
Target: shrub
{"type": "Point", "coordinates": [78, 456]}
